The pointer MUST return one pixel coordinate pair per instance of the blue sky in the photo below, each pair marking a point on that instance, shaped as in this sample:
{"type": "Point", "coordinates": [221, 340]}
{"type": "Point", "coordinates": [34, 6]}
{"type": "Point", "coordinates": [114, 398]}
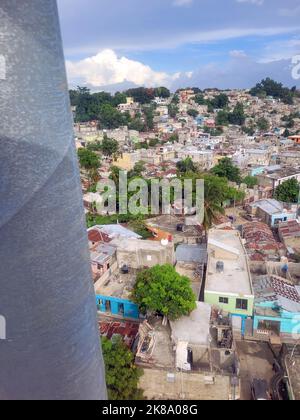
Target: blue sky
{"type": "Point", "coordinates": [206, 43]}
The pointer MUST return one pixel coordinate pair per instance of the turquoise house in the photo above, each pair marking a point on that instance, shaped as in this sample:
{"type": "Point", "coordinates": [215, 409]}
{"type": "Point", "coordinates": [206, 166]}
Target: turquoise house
{"type": "Point", "coordinates": [116, 306]}
{"type": "Point", "coordinates": [276, 308]}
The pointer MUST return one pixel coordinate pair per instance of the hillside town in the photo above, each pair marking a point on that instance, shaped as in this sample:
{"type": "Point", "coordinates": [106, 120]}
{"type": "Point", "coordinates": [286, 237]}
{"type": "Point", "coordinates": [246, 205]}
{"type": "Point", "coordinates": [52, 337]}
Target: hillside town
{"type": "Point", "coordinates": [233, 333]}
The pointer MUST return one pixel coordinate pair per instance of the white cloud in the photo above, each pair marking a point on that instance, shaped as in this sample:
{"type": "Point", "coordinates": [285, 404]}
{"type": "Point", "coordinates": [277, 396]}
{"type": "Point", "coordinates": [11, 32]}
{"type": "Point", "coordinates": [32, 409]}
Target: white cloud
{"type": "Point", "coordinates": [174, 41]}
{"type": "Point", "coordinates": [290, 12]}
{"type": "Point", "coordinates": [237, 74]}
{"type": "Point", "coordinates": [106, 68]}
{"type": "Point", "coordinates": [180, 3]}
{"type": "Point", "coordinates": [237, 54]}
{"type": "Point", "coordinates": [280, 50]}
{"type": "Point", "coordinates": [258, 2]}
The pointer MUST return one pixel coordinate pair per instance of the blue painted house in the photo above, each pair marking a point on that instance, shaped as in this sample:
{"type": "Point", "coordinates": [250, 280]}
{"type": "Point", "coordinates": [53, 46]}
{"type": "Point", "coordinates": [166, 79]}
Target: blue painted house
{"type": "Point", "coordinates": [117, 306]}
{"type": "Point", "coordinates": [272, 212]}
{"type": "Point", "coordinates": [276, 308]}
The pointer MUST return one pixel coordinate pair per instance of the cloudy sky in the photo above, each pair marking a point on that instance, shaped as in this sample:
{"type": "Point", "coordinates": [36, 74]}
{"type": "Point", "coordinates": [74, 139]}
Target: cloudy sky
{"type": "Point", "coordinates": [111, 44]}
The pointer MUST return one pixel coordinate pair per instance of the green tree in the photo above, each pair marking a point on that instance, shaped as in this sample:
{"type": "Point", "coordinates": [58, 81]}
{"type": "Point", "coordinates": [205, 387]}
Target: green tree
{"type": "Point", "coordinates": [263, 124]}
{"type": "Point", "coordinates": [141, 95]}
{"type": "Point", "coordinates": [226, 169]}
{"type": "Point", "coordinates": [269, 87]}
{"type": "Point", "coordinates": [173, 110]}
{"type": "Point", "coordinates": [88, 159]}
{"type": "Point", "coordinates": [193, 113]}
{"type": "Point", "coordinates": [250, 130]}
{"type": "Point", "coordinates": [138, 169]}
{"type": "Point", "coordinates": [222, 118]}
{"type": "Point", "coordinates": [138, 225]}
{"type": "Point", "coordinates": [288, 191]}
{"type": "Point", "coordinates": [250, 181]}
{"type": "Point", "coordinates": [137, 124]}
{"type": "Point", "coordinates": [149, 117]}
{"type": "Point", "coordinates": [122, 375]}
{"type": "Point", "coordinates": [213, 202]}
{"type": "Point", "coordinates": [162, 92]}
{"type": "Point", "coordinates": [220, 101]}
{"type": "Point", "coordinates": [237, 116]}
{"type": "Point", "coordinates": [186, 165]}
{"type": "Point", "coordinates": [110, 117]}
{"type": "Point", "coordinates": [199, 99]}
{"type": "Point", "coordinates": [94, 146]}
{"type": "Point", "coordinates": [153, 142]}
{"type": "Point", "coordinates": [216, 193]}
{"type": "Point", "coordinates": [119, 98]}
{"type": "Point", "coordinates": [162, 290]}
{"type": "Point", "coordinates": [109, 146]}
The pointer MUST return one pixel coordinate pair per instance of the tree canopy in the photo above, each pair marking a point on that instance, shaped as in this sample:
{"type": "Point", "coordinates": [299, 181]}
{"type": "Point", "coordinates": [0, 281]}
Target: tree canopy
{"type": "Point", "coordinates": [122, 375]}
{"type": "Point", "coordinates": [88, 159]}
{"type": "Point", "coordinates": [236, 116]}
{"type": "Point", "coordinates": [88, 105]}
{"type": "Point", "coordinates": [269, 87]}
{"type": "Point", "coordinates": [263, 124]}
{"type": "Point", "coordinates": [162, 290]}
{"type": "Point", "coordinates": [109, 146]}
{"type": "Point", "coordinates": [146, 95]}
{"type": "Point", "coordinates": [288, 191]}
{"type": "Point", "coordinates": [193, 113]}
{"type": "Point", "coordinates": [186, 165]}
{"type": "Point", "coordinates": [250, 181]}
{"type": "Point", "coordinates": [216, 193]}
{"type": "Point", "coordinates": [226, 169]}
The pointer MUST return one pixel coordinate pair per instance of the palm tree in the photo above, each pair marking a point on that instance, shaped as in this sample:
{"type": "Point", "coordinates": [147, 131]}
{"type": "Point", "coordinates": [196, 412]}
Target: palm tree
{"type": "Point", "coordinates": [213, 204]}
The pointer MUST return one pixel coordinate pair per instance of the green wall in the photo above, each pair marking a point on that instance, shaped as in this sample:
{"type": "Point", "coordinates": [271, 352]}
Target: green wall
{"type": "Point", "coordinates": [213, 299]}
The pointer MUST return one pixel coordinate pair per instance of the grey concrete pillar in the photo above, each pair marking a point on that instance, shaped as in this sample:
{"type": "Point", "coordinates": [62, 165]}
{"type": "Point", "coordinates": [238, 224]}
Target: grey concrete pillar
{"type": "Point", "coordinates": [52, 346]}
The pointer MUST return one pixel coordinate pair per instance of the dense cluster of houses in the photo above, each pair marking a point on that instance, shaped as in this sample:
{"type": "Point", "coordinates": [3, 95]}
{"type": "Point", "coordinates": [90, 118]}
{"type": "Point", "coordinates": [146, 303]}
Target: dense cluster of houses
{"type": "Point", "coordinates": [245, 272]}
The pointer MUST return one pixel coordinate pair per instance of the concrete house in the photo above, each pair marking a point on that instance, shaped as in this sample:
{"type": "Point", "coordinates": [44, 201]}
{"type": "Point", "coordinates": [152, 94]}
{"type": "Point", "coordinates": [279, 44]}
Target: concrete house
{"type": "Point", "coordinates": [137, 254]}
{"type": "Point", "coordinates": [228, 279]}
{"type": "Point", "coordinates": [272, 212]}
{"type": "Point", "coordinates": [276, 309]}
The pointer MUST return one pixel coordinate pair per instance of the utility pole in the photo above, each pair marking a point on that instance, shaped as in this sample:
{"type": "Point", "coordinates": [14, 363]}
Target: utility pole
{"type": "Point", "coordinates": [50, 348]}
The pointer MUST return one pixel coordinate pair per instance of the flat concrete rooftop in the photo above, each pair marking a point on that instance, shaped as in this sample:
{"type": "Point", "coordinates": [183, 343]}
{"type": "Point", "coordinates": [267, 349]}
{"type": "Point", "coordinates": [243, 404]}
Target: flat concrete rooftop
{"type": "Point", "coordinates": [118, 285]}
{"type": "Point", "coordinates": [132, 245]}
{"type": "Point", "coordinates": [226, 246]}
{"type": "Point", "coordinates": [195, 328]}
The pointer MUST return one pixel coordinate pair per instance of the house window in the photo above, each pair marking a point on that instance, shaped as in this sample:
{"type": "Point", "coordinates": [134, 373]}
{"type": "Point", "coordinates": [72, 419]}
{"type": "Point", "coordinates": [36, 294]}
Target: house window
{"type": "Point", "coordinates": [242, 304]}
{"type": "Point", "coordinates": [223, 300]}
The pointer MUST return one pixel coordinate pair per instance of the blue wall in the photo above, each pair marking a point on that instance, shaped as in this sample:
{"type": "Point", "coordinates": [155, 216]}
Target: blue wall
{"type": "Point", "coordinates": [257, 171]}
{"type": "Point", "coordinates": [244, 317]}
{"type": "Point", "coordinates": [120, 307]}
{"type": "Point", "coordinates": [289, 321]}
{"type": "Point", "coordinates": [284, 217]}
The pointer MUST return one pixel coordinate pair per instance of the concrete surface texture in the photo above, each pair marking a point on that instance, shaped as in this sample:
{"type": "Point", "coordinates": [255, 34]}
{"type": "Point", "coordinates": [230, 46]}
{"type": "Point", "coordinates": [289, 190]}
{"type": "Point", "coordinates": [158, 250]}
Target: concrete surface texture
{"type": "Point", "coordinates": [52, 348]}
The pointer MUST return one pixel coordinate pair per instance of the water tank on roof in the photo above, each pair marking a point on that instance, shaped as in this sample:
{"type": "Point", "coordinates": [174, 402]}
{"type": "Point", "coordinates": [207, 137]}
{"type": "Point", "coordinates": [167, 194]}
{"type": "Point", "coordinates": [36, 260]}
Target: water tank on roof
{"type": "Point", "coordinates": [180, 227]}
{"type": "Point", "coordinates": [220, 267]}
{"type": "Point", "coordinates": [125, 269]}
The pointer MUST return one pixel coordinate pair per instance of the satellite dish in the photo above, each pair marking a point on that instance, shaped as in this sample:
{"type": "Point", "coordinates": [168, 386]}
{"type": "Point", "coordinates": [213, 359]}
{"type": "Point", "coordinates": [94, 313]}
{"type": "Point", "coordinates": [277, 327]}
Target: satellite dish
{"type": "Point", "coordinates": [164, 242]}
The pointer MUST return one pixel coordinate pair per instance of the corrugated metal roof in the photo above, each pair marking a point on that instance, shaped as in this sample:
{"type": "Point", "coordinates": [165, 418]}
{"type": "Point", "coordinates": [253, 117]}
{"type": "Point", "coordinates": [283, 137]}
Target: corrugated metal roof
{"type": "Point", "coordinates": [118, 230]}
{"type": "Point", "coordinates": [191, 253]}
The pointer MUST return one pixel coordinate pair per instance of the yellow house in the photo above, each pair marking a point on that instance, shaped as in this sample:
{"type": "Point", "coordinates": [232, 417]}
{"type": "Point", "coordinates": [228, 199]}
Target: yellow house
{"type": "Point", "coordinates": [216, 159]}
{"type": "Point", "coordinates": [127, 161]}
{"type": "Point", "coordinates": [129, 100]}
